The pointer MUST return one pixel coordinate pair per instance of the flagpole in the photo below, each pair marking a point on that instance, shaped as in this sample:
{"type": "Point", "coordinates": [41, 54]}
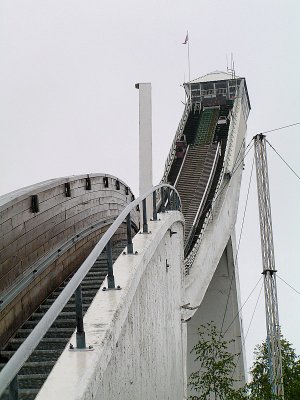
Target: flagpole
{"type": "Point", "coordinates": [189, 65]}
{"type": "Point", "coordinates": [187, 41]}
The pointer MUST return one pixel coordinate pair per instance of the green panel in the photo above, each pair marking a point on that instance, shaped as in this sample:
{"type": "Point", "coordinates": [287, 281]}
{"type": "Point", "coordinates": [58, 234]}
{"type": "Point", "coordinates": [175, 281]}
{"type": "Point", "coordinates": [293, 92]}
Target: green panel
{"type": "Point", "coordinates": [207, 125]}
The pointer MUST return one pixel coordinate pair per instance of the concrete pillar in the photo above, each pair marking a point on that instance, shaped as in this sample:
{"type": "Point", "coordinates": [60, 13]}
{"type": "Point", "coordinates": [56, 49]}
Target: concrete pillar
{"type": "Point", "coordinates": [212, 309]}
{"type": "Point", "coordinates": [145, 144]}
{"type": "Point", "coordinates": [145, 137]}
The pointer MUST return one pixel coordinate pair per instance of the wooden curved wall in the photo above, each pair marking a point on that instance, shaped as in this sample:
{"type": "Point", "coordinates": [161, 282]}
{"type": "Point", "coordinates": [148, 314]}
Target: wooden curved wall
{"type": "Point", "coordinates": [28, 236]}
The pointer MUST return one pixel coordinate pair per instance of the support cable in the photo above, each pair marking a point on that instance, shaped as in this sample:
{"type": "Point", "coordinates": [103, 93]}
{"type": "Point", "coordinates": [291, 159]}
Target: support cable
{"type": "Point", "coordinates": [295, 290]}
{"type": "Point", "coordinates": [250, 323]}
{"type": "Point", "coordinates": [251, 320]}
{"type": "Point", "coordinates": [239, 311]}
{"type": "Point", "coordinates": [239, 242]}
{"type": "Point", "coordinates": [281, 127]}
{"type": "Point", "coordinates": [283, 159]}
{"type": "Point", "coordinates": [235, 167]}
{"type": "Point", "coordinates": [208, 206]}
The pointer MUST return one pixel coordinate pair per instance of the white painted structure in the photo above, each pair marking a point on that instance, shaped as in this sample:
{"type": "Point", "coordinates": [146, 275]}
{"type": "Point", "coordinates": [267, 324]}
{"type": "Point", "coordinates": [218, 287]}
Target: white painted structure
{"type": "Point", "coordinates": [145, 137]}
{"type": "Point", "coordinates": [213, 281]}
{"type": "Point", "coordinates": [141, 335]}
{"type": "Point", "coordinates": [123, 325]}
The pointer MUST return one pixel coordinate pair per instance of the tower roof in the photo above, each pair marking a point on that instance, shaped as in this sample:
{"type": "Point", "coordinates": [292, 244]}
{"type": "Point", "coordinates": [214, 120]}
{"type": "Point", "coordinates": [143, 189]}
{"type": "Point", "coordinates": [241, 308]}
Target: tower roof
{"type": "Point", "coordinates": [214, 76]}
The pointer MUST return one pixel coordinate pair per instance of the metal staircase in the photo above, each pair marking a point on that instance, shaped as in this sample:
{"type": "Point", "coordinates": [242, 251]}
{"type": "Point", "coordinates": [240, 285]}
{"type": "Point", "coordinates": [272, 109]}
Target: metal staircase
{"type": "Point", "coordinates": [197, 175]}
{"type": "Point", "coordinates": [36, 370]}
{"type": "Point", "coordinates": [202, 189]}
{"type": "Point", "coordinates": [194, 182]}
{"type": "Point", "coordinates": [189, 177]}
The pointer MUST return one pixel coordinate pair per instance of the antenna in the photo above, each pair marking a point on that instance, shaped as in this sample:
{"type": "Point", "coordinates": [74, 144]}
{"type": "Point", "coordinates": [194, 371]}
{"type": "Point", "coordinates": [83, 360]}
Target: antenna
{"type": "Point", "coordinates": [231, 70]}
{"type": "Point", "coordinates": [269, 271]}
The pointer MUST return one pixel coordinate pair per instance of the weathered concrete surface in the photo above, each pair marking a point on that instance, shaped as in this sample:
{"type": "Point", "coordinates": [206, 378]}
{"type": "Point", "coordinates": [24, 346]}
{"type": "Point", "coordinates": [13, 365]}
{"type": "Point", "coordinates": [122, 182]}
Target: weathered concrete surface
{"type": "Point", "coordinates": [222, 293]}
{"type": "Point", "coordinates": [215, 239]}
{"type": "Point", "coordinates": [208, 282]}
{"type": "Point", "coordinates": [122, 327]}
{"type": "Point", "coordinates": [26, 237]}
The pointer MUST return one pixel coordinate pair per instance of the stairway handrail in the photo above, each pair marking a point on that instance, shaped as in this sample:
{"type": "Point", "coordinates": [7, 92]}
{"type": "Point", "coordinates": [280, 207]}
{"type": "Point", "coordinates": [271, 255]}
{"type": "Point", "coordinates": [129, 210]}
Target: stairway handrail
{"type": "Point", "coordinates": [38, 267]}
{"type": "Point", "coordinates": [178, 134]}
{"type": "Point", "coordinates": [15, 363]}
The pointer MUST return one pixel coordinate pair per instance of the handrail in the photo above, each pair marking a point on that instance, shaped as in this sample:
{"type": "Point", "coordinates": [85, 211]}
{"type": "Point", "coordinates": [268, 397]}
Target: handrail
{"type": "Point", "coordinates": [37, 268]}
{"type": "Point", "coordinates": [178, 134]}
{"type": "Point", "coordinates": [9, 373]}
{"type": "Point", "coordinates": [204, 197]}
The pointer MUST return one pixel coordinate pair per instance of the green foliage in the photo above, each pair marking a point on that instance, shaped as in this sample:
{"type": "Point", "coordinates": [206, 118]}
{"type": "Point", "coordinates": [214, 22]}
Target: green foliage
{"type": "Point", "coordinates": [260, 387]}
{"type": "Point", "coordinates": [214, 379]}
{"type": "Point", "coordinates": [217, 365]}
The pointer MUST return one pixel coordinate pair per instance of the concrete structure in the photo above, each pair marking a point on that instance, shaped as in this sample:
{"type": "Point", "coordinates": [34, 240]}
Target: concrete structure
{"type": "Point", "coordinates": [145, 137]}
{"type": "Point", "coordinates": [142, 335]}
{"type": "Point", "coordinates": [122, 327]}
{"type": "Point", "coordinates": [212, 281]}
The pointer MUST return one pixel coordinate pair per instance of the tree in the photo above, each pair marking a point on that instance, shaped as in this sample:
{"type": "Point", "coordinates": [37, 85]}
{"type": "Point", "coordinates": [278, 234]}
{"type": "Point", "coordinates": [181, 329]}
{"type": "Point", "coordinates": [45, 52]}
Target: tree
{"type": "Point", "coordinates": [217, 365]}
{"type": "Point", "coordinates": [260, 387]}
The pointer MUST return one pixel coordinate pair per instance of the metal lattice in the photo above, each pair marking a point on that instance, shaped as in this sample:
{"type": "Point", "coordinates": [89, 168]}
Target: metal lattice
{"type": "Point", "coordinates": [269, 271]}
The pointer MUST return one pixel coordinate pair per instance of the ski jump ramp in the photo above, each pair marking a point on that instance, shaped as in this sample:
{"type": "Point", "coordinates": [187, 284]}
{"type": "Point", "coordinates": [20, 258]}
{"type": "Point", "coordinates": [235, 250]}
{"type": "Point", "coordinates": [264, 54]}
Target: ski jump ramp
{"type": "Point", "coordinates": [181, 273]}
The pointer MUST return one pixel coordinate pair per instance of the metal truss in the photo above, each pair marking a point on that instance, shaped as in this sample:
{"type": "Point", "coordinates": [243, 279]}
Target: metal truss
{"type": "Point", "coordinates": [269, 271]}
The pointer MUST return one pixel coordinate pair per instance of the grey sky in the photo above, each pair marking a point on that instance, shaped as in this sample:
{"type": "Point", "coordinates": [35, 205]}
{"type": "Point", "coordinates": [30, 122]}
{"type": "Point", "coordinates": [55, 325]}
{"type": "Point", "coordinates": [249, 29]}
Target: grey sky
{"type": "Point", "coordinates": [68, 103]}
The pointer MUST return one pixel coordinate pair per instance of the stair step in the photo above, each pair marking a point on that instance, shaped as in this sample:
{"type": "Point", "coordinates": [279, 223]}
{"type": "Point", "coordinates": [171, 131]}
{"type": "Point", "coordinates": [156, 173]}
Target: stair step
{"type": "Point", "coordinates": [36, 369]}
{"type": "Point", "coordinates": [24, 394]}
{"type": "Point", "coordinates": [59, 323]}
{"type": "Point", "coordinates": [31, 381]}
{"type": "Point", "coordinates": [36, 356]}
{"type": "Point", "coordinates": [52, 332]}
{"type": "Point", "coordinates": [55, 343]}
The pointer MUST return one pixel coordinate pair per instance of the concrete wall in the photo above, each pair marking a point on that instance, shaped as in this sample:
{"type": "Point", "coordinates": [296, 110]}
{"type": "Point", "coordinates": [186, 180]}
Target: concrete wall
{"type": "Point", "coordinates": [207, 283]}
{"type": "Point", "coordinates": [27, 238]}
{"type": "Point", "coordinates": [214, 241]}
{"type": "Point", "coordinates": [222, 291]}
{"type": "Point", "coordinates": [136, 332]}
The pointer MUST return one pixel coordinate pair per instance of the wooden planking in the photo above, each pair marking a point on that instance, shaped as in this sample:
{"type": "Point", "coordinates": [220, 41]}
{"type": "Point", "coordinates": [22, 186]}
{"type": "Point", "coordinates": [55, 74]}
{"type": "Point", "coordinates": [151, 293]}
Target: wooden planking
{"type": "Point", "coordinates": [19, 200]}
{"type": "Point", "coordinates": [29, 236]}
{"type": "Point", "coordinates": [12, 317]}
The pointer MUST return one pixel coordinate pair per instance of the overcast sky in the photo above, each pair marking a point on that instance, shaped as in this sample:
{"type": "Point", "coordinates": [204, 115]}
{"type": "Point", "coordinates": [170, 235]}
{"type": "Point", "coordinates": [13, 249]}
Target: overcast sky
{"type": "Point", "coordinates": [68, 103]}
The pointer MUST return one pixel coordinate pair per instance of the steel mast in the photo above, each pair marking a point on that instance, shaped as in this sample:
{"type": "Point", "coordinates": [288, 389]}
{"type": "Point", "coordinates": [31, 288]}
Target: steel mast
{"type": "Point", "coordinates": [269, 271]}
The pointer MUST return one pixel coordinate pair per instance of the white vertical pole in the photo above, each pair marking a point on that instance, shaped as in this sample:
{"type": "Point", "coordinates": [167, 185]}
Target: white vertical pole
{"type": "Point", "coordinates": [145, 140]}
{"type": "Point", "coordinates": [189, 65]}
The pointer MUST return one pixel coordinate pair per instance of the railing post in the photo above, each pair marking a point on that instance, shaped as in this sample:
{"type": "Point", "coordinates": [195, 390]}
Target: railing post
{"type": "Point", "coordinates": [13, 390]}
{"type": "Point", "coordinates": [154, 206]}
{"type": "Point", "coordinates": [169, 199]}
{"type": "Point", "coordinates": [145, 223]}
{"type": "Point", "coordinates": [129, 237]}
{"type": "Point", "coordinates": [174, 196]}
{"type": "Point", "coordinates": [177, 201]}
{"type": "Point", "coordinates": [162, 195]}
{"type": "Point", "coordinates": [110, 272]}
{"type": "Point", "coordinates": [80, 335]}
{"type": "Point", "coordinates": [173, 200]}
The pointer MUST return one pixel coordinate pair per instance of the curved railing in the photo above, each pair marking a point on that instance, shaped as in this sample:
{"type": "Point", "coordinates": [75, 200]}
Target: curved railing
{"type": "Point", "coordinates": [169, 200]}
{"type": "Point", "coordinates": [47, 225]}
{"type": "Point", "coordinates": [41, 265]}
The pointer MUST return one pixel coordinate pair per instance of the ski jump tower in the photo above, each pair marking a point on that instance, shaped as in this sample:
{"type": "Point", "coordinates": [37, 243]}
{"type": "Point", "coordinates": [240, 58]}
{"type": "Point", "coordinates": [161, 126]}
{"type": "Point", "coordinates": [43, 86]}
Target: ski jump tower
{"type": "Point", "coordinates": [146, 295]}
{"type": "Point", "coordinates": [205, 165]}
